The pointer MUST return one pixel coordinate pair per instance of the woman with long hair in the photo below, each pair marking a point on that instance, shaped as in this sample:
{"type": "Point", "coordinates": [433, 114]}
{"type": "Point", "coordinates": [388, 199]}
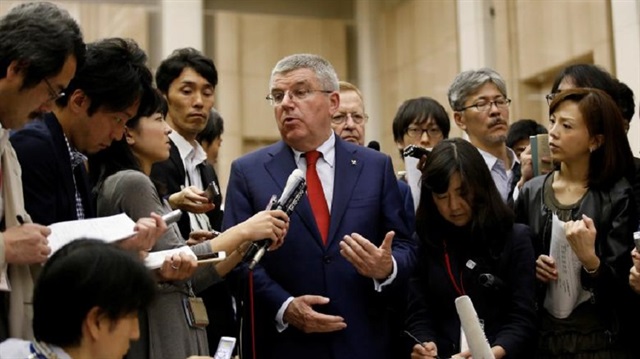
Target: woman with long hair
{"type": "Point", "coordinates": [167, 330]}
{"type": "Point", "coordinates": [588, 201]}
{"type": "Point", "coordinates": [469, 246]}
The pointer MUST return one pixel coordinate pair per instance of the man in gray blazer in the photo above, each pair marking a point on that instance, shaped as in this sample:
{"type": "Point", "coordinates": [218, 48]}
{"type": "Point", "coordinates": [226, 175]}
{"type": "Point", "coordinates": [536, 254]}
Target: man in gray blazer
{"type": "Point", "coordinates": [40, 48]}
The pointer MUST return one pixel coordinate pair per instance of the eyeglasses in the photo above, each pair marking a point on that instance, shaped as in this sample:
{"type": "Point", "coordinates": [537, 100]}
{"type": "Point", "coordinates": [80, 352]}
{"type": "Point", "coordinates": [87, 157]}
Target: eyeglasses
{"type": "Point", "coordinates": [276, 97]}
{"type": "Point", "coordinates": [550, 97]}
{"type": "Point", "coordinates": [358, 118]}
{"type": "Point", "coordinates": [416, 132]}
{"type": "Point", "coordinates": [482, 106]}
{"type": "Point", "coordinates": [53, 94]}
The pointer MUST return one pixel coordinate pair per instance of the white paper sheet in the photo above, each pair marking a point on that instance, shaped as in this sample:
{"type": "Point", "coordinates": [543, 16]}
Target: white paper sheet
{"type": "Point", "coordinates": [413, 179]}
{"type": "Point", "coordinates": [566, 293]}
{"type": "Point", "coordinates": [155, 259]}
{"type": "Point", "coordinates": [107, 229]}
{"type": "Point", "coordinates": [5, 285]}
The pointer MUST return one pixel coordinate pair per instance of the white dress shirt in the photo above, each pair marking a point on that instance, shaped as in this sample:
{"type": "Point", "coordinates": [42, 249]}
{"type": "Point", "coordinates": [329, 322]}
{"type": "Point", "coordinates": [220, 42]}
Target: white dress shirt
{"type": "Point", "coordinates": [192, 154]}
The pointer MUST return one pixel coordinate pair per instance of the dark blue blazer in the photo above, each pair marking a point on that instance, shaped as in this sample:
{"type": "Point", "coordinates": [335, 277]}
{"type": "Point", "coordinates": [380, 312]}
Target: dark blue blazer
{"type": "Point", "coordinates": [366, 200]}
{"type": "Point", "coordinates": [47, 179]}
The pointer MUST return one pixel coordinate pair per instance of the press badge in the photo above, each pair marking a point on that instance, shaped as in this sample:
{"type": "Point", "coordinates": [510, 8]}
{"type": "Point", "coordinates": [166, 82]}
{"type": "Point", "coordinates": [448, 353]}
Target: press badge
{"type": "Point", "coordinates": [195, 312]}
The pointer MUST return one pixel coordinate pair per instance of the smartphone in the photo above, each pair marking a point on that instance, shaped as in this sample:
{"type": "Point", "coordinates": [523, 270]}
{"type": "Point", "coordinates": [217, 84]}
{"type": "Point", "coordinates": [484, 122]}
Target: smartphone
{"type": "Point", "coordinates": [539, 149]}
{"type": "Point", "coordinates": [212, 192]}
{"type": "Point", "coordinates": [636, 239]}
{"type": "Point", "coordinates": [212, 257]}
{"type": "Point", "coordinates": [221, 254]}
{"type": "Point", "coordinates": [415, 151]}
{"type": "Point", "coordinates": [225, 348]}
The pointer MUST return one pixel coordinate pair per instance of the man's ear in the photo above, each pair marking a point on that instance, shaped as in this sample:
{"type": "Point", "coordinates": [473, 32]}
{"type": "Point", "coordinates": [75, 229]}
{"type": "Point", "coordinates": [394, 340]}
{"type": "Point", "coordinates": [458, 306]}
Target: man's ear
{"type": "Point", "coordinates": [92, 323]}
{"type": "Point", "coordinates": [78, 101]}
{"type": "Point", "coordinates": [16, 70]}
{"type": "Point", "coordinates": [334, 104]}
{"type": "Point", "coordinates": [459, 120]}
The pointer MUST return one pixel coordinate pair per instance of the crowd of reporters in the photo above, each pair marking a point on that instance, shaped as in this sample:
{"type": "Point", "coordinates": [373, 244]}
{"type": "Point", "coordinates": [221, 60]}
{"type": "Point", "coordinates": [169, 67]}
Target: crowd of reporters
{"type": "Point", "coordinates": [369, 264]}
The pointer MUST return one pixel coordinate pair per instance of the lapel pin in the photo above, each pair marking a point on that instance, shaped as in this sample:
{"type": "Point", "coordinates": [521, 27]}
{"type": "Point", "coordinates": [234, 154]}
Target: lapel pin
{"type": "Point", "coordinates": [353, 162]}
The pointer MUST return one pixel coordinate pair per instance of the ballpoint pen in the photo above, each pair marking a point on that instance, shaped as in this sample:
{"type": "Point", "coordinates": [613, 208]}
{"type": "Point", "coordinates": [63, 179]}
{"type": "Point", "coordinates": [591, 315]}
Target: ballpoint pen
{"type": "Point", "coordinates": [416, 340]}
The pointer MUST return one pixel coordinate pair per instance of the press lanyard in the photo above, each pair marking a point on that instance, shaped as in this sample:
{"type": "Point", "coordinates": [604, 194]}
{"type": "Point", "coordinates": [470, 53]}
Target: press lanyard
{"type": "Point", "coordinates": [459, 289]}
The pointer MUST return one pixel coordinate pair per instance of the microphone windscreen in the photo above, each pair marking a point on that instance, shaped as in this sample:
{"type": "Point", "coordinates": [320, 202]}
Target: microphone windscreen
{"type": "Point", "coordinates": [374, 145]}
{"type": "Point", "coordinates": [472, 329]}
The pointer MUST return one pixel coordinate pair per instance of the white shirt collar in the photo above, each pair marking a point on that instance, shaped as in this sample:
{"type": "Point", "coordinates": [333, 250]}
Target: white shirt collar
{"type": "Point", "coordinates": [327, 148]}
{"type": "Point", "coordinates": [185, 148]}
{"type": "Point", "coordinates": [491, 160]}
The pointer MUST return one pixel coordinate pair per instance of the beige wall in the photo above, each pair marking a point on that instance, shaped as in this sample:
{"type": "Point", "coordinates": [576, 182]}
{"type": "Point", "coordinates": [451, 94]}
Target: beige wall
{"type": "Point", "coordinates": [552, 35]}
{"type": "Point", "coordinates": [418, 57]}
{"type": "Point", "coordinates": [101, 20]}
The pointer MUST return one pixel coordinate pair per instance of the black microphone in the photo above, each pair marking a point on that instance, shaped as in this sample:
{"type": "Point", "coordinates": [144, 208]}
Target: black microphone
{"type": "Point", "coordinates": [374, 145]}
{"type": "Point", "coordinates": [291, 195]}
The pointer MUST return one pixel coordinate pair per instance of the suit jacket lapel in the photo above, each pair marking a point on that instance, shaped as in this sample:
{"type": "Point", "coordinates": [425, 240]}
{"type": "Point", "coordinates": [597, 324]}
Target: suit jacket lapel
{"type": "Point", "coordinates": [348, 166]}
{"type": "Point", "coordinates": [279, 168]}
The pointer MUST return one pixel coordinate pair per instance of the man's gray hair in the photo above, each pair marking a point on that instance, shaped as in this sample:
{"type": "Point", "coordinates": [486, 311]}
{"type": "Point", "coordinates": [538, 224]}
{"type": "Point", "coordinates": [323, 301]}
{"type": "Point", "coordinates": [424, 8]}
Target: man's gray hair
{"type": "Point", "coordinates": [323, 69]}
{"type": "Point", "coordinates": [468, 82]}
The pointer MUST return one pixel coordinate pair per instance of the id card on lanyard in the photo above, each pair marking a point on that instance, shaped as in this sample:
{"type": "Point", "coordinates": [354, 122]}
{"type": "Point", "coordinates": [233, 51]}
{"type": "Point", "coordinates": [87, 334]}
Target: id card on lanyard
{"type": "Point", "coordinates": [194, 310]}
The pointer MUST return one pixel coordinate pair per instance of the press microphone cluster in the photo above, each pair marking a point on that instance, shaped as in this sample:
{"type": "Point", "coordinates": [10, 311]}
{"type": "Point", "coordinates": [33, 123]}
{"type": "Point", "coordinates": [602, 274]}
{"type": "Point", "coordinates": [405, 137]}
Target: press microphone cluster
{"type": "Point", "coordinates": [291, 195]}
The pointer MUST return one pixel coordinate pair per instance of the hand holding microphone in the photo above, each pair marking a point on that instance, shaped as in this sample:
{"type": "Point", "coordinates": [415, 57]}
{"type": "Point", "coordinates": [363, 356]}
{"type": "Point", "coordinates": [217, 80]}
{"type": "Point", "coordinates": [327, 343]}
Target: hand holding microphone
{"type": "Point", "coordinates": [293, 191]}
{"type": "Point", "coordinates": [266, 226]}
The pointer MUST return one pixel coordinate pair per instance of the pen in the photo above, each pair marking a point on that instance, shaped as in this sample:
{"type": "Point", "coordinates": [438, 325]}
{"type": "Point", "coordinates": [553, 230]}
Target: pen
{"type": "Point", "coordinates": [416, 340]}
{"type": "Point", "coordinates": [20, 219]}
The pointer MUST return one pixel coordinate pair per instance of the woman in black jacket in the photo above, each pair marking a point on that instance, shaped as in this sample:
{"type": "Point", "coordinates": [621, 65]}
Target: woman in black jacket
{"type": "Point", "coordinates": [470, 246]}
{"type": "Point", "coordinates": [594, 204]}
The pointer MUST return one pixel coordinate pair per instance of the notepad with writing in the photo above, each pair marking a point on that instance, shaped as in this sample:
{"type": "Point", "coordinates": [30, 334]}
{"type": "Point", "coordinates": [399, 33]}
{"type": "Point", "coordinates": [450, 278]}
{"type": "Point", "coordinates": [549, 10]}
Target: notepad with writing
{"type": "Point", "coordinates": [107, 229]}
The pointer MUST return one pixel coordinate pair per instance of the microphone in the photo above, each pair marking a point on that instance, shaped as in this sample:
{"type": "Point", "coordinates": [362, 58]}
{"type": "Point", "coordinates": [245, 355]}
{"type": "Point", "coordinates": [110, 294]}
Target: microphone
{"type": "Point", "coordinates": [291, 195]}
{"type": "Point", "coordinates": [172, 217]}
{"type": "Point", "coordinates": [472, 329]}
{"type": "Point", "coordinates": [374, 145]}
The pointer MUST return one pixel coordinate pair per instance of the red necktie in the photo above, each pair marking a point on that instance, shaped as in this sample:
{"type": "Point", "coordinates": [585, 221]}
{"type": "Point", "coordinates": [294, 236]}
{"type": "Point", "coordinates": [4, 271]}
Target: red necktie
{"type": "Point", "coordinates": [316, 195]}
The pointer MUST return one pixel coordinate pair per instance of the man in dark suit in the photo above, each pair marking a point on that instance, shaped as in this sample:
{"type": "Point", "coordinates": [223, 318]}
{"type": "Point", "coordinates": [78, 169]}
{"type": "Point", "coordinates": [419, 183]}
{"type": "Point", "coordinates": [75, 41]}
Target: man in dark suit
{"type": "Point", "coordinates": [323, 293]}
{"type": "Point", "coordinates": [187, 79]}
{"type": "Point", "coordinates": [104, 94]}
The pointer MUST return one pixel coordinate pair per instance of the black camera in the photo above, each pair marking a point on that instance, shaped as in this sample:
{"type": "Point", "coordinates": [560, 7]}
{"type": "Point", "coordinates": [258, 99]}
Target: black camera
{"type": "Point", "coordinates": [415, 151]}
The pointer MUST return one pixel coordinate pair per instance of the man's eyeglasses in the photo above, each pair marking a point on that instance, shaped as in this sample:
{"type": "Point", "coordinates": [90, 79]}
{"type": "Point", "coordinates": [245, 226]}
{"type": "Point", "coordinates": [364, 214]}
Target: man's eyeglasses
{"type": "Point", "coordinates": [483, 106]}
{"type": "Point", "coordinates": [416, 132]}
{"type": "Point", "coordinates": [550, 97]}
{"type": "Point", "coordinates": [276, 97]}
{"type": "Point", "coordinates": [53, 94]}
{"type": "Point", "coordinates": [358, 118]}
